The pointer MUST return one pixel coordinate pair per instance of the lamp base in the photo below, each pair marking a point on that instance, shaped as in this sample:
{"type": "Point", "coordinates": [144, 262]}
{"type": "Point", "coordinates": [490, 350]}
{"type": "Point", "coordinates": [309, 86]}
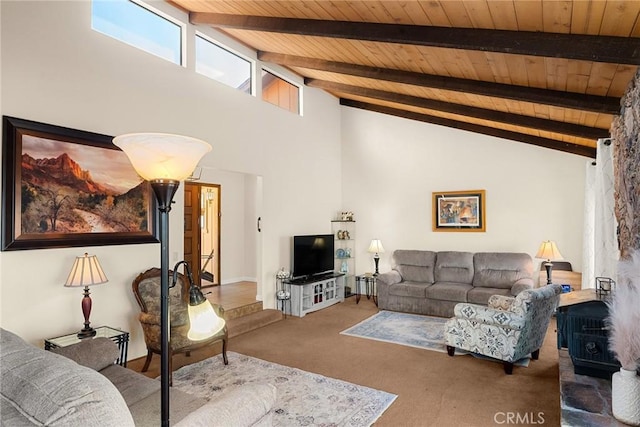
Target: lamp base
{"type": "Point", "coordinates": [87, 333]}
{"type": "Point", "coordinates": [376, 259]}
{"type": "Point", "coordinates": [549, 267]}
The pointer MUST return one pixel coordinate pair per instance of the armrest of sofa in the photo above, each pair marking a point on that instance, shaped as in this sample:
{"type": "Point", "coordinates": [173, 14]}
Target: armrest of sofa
{"type": "Point", "coordinates": [243, 406]}
{"type": "Point", "coordinates": [488, 316]}
{"type": "Point", "coordinates": [521, 285]}
{"type": "Point", "coordinates": [97, 353]}
{"type": "Point", "coordinates": [389, 278]}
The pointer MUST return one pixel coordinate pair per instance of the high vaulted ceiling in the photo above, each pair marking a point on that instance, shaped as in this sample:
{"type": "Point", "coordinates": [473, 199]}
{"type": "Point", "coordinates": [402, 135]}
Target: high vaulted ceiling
{"type": "Point", "coordinates": [543, 72]}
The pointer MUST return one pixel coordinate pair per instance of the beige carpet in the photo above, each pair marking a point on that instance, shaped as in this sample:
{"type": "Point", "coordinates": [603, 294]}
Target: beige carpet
{"type": "Point", "coordinates": [433, 389]}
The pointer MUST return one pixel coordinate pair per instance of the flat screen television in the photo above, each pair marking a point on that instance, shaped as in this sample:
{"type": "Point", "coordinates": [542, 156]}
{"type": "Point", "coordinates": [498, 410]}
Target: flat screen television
{"type": "Point", "coordinates": [312, 255]}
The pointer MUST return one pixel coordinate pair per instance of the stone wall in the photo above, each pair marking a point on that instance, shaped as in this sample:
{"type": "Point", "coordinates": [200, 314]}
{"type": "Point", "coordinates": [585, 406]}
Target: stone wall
{"type": "Point", "coordinates": [626, 152]}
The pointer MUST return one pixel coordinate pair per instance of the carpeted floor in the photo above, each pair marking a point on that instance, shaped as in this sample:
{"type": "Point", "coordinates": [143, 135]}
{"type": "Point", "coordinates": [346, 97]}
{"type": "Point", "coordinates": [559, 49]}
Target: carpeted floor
{"type": "Point", "coordinates": [413, 330]}
{"type": "Point", "coordinates": [304, 398]}
{"type": "Point", "coordinates": [434, 390]}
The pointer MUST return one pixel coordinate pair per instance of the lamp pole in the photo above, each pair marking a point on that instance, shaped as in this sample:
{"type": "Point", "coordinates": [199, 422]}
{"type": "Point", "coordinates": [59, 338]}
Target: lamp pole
{"type": "Point", "coordinates": [164, 191]}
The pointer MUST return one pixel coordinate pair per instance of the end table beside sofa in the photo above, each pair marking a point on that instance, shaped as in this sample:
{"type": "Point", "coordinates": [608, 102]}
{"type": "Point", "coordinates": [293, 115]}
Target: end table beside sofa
{"type": "Point", "coordinates": [81, 385]}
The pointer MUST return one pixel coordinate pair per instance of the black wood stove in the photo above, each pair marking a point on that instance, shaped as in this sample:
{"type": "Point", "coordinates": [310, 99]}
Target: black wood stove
{"type": "Point", "coordinates": [581, 329]}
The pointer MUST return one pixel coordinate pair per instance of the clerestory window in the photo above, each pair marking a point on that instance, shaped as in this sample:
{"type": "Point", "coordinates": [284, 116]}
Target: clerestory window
{"type": "Point", "coordinates": [280, 92]}
{"type": "Point", "coordinates": [221, 64]}
{"type": "Point", "coordinates": [141, 26]}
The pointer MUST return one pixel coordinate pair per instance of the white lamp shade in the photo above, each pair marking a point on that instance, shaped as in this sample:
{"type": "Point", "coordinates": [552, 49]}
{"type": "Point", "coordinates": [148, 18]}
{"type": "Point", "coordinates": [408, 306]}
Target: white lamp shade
{"type": "Point", "coordinates": [548, 250]}
{"type": "Point", "coordinates": [162, 156]}
{"type": "Point", "coordinates": [376, 247]}
{"type": "Point", "coordinates": [205, 322]}
{"type": "Point", "coordinates": [86, 271]}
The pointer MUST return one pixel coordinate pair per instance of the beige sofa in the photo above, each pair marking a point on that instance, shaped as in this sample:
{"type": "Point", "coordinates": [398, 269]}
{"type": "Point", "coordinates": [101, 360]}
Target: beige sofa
{"type": "Point", "coordinates": [432, 283]}
{"type": "Point", "coordinates": [82, 386]}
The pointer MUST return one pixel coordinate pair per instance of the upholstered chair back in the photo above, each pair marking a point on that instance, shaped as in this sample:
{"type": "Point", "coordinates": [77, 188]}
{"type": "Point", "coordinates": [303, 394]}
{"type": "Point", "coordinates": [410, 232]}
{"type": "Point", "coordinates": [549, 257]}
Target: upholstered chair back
{"type": "Point", "coordinates": [537, 307]}
{"type": "Point", "coordinates": [147, 292]}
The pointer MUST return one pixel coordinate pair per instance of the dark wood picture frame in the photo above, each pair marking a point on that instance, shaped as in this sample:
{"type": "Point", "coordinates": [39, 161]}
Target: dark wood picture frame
{"type": "Point", "coordinates": [459, 211]}
{"type": "Point", "coordinates": [51, 191]}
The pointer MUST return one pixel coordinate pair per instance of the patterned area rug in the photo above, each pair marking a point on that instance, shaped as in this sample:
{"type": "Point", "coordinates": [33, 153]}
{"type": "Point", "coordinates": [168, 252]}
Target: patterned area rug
{"type": "Point", "coordinates": [304, 398]}
{"type": "Point", "coordinates": [412, 330]}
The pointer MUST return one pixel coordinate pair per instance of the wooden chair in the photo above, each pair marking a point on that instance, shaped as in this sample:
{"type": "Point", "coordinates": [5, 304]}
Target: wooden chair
{"type": "Point", "coordinates": [146, 288]}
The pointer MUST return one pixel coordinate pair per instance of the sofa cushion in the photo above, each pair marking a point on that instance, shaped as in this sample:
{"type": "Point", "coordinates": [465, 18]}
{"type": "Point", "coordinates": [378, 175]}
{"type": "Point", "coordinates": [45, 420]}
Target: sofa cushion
{"type": "Point", "coordinates": [132, 386]}
{"type": "Point", "coordinates": [448, 291]}
{"type": "Point", "coordinates": [415, 266]}
{"type": "Point", "coordinates": [501, 269]}
{"type": "Point", "coordinates": [147, 412]}
{"type": "Point", "coordinates": [409, 289]}
{"type": "Point", "coordinates": [256, 400]}
{"type": "Point", "coordinates": [97, 353]}
{"type": "Point", "coordinates": [49, 389]}
{"type": "Point", "coordinates": [454, 267]}
{"type": "Point", "coordinates": [481, 295]}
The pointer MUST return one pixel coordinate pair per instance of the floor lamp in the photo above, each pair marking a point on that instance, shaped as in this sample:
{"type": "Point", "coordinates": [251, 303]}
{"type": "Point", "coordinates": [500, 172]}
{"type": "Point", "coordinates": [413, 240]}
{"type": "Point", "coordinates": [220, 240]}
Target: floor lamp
{"type": "Point", "coordinates": [164, 160]}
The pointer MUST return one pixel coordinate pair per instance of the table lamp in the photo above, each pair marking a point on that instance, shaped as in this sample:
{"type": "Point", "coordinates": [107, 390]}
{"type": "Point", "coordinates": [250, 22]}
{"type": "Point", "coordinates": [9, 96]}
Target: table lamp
{"type": "Point", "coordinates": [86, 271]}
{"type": "Point", "coordinates": [548, 250]}
{"type": "Point", "coordinates": [376, 248]}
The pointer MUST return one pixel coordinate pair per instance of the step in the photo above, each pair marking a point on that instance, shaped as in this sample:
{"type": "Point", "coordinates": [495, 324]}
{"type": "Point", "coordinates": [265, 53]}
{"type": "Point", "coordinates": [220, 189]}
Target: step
{"type": "Point", "coordinates": [232, 313]}
{"type": "Point", "coordinates": [241, 325]}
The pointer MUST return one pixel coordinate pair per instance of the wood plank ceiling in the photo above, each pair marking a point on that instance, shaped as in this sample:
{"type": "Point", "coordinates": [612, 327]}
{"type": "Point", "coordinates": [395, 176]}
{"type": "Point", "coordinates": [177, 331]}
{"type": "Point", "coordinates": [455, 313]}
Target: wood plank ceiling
{"type": "Point", "coordinates": [543, 72]}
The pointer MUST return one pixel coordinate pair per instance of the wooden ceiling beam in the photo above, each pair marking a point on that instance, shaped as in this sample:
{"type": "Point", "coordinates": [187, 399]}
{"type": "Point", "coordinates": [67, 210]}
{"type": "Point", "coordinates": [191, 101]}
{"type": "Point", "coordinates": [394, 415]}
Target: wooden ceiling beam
{"type": "Point", "coordinates": [577, 101]}
{"type": "Point", "coordinates": [566, 147]}
{"type": "Point", "coordinates": [464, 110]}
{"type": "Point", "coordinates": [609, 49]}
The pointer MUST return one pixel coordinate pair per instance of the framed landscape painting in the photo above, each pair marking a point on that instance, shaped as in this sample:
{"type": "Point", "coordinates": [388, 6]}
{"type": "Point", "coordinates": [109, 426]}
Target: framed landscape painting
{"type": "Point", "coordinates": [63, 187]}
{"type": "Point", "coordinates": [459, 211]}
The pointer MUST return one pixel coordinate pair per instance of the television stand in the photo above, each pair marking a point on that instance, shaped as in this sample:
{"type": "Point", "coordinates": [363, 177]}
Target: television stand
{"type": "Point", "coordinates": [315, 293]}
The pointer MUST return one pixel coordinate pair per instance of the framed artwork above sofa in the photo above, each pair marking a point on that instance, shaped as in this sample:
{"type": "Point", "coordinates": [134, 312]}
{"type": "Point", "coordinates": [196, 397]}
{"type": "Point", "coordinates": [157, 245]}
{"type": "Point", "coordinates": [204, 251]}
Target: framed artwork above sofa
{"type": "Point", "coordinates": [459, 210]}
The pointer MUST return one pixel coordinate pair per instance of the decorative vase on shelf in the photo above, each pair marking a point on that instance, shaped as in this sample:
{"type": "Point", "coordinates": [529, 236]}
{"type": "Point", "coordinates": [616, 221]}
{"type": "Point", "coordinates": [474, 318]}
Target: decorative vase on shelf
{"type": "Point", "coordinates": [625, 396]}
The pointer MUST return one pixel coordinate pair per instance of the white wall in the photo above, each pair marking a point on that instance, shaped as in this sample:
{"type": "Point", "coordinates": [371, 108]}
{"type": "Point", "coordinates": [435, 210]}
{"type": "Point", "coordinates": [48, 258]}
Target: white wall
{"type": "Point", "coordinates": [56, 70]}
{"type": "Point", "coordinates": [237, 224]}
{"type": "Point", "coordinates": [391, 166]}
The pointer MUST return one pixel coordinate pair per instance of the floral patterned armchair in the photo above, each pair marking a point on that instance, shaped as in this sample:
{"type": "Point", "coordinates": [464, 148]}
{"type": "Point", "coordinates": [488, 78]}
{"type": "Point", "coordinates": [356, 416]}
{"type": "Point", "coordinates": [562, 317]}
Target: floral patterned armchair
{"type": "Point", "coordinates": [508, 329]}
{"type": "Point", "coordinates": [146, 288]}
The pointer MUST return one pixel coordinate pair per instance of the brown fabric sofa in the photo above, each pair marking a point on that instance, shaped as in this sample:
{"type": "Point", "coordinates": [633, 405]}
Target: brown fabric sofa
{"type": "Point", "coordinates": [432, 283]}
{"type": "Point", "coordinates": [81, 386]}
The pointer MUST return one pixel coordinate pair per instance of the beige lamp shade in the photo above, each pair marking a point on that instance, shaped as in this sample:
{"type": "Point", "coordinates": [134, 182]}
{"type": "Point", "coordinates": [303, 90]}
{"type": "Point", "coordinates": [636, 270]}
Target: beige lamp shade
{"type": "Point", "coordinates": [375, 247]}
{"type": "Point", "coordinates": [86, 271]}
{"type": "Point", "coordinates": [204, 321]}
{"type": "Point", "coordinates": [158, 156]}
{"type": "Point", "coordinates": [549, 251]}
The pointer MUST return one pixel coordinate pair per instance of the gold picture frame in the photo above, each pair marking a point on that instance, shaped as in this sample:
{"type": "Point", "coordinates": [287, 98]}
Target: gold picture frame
{"type": "Point", "coordinates": [459, 211]}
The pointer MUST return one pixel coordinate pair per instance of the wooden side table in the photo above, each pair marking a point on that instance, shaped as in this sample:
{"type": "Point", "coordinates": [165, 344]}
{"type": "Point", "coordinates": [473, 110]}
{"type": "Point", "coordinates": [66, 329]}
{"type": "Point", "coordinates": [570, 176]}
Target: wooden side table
{"type": "Point", "coordinates": [369, 281]}
{"type": "Point", "coordinates": [116, 335]}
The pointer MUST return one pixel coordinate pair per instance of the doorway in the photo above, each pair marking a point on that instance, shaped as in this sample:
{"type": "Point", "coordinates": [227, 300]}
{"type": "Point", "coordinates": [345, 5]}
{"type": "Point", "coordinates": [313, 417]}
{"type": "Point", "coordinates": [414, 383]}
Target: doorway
{"type": "Point", "coordinates": [202, 232]}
